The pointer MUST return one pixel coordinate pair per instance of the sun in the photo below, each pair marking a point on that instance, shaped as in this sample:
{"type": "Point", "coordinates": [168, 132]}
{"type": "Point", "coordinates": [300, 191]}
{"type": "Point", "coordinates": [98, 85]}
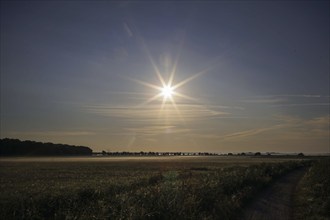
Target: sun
{"type": "Point", "coordinates": [167, 92]}
{"type": "Point", "coordinates": [167, 88]}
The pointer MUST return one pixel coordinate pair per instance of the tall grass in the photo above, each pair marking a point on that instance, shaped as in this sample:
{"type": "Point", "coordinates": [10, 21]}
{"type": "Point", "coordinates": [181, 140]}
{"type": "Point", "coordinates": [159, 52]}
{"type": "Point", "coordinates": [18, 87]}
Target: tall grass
{"type": "Point", "coordinates": [312, 199]}
{"type": "Point", "coordinates": [136, 193]}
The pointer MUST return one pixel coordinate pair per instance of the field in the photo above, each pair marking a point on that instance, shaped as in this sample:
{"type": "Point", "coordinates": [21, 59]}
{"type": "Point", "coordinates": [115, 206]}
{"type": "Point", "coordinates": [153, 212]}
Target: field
{"type": "Point", "coordinates": [312, 199]}
{"type": "Point", "coordinates": [135, 188]}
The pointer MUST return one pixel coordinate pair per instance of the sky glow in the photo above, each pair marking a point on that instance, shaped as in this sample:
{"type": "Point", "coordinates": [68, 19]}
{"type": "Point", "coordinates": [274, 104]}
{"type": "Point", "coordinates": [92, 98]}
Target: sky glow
{"type": "Point", "coordinates": [167, 76]}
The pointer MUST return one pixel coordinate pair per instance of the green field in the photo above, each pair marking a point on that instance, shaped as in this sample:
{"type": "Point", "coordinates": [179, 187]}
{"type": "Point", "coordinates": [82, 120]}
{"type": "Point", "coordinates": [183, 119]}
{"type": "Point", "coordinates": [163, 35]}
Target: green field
{"type": "Point", "coordinates": [135, 188]}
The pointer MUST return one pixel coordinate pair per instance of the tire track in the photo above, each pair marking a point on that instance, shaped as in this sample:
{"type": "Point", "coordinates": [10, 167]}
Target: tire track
{"type": "Point", "coordinates": [275, 202]}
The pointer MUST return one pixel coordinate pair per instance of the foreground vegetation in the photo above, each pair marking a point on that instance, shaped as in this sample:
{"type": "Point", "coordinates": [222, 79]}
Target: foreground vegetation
{"type": "Point", "coordinates": [215, 188]}
{"type": "Point", "coordinates": [312, 200]}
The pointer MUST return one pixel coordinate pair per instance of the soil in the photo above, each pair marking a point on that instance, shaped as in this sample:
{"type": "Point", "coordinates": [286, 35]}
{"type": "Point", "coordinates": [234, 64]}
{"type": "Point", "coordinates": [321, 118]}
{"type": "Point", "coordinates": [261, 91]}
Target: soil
{"type": "Point", "coordinates": [275, 202]}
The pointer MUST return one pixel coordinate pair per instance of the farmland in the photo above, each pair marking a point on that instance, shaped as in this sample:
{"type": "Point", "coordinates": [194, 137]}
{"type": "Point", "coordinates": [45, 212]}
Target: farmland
{"type": "Point", "coordinates": [312, 198]}
{"type": "Point", "coordinates": [136, 187]}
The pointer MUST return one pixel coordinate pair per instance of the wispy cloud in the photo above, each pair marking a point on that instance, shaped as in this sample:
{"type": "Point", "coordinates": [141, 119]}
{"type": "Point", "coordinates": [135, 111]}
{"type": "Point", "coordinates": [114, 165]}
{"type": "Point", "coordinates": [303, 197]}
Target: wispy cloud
{"type": "Point", "coordinates": [143, 94]}
{"type": "Point", "coordinates": [313, 123]}
{"type": "Point", "coordinates": [229, 107]}
{"type": "Point", "coordinates": [301, 95]}
{"type": "Point", "coordinates": [51, 133]}
{"type": "Point", "coordinates": [302, 104]}
{"type": "Point", "coordinates": [287, 100]}
{"type": "Point", "coordinates": [156, 130]}
{"type": "Point", "coordinates": [288, 127]}
{"type": "Point", "coordinates": [300, 129]}
{"type": "Point", "coordinates": [264, 100]}
{"type": "Point", "coordinates": [319, 121]}
{"type": "Point", "coordinates": [153, 111]}
{"type": "Point", "coordinates": [250, 132]}
{"type": "Point", "coordinates": [205, 136]}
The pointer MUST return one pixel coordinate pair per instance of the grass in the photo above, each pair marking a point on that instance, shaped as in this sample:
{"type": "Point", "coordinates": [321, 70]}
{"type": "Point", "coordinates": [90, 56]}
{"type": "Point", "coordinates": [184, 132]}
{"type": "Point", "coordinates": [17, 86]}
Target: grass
{"type": "Point", "coordinates": [312, 199]}
{"type": "Point", "coordinates": [128, 188]}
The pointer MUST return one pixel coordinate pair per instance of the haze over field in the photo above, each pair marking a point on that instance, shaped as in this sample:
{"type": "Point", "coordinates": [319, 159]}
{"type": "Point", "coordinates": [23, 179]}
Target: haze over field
{"type": "Point", "coordinates": [167, 76]}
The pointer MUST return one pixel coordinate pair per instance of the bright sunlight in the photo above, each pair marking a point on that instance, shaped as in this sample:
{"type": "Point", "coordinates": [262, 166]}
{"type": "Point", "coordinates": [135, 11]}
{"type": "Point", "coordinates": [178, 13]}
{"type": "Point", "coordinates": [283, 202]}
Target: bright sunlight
{"type": "Point", "coordinates": [167, 92]}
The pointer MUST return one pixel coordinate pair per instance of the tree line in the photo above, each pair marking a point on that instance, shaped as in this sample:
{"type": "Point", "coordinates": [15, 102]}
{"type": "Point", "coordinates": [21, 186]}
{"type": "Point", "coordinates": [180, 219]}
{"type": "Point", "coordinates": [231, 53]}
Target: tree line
{"type": "Point", "coordinates": [15, 147]}
{"type": "Point", "coordinates": [151, 153]}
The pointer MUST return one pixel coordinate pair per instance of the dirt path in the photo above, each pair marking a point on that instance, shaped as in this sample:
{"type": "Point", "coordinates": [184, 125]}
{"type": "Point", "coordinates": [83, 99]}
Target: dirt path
{"type": "Point", "coordinates": [276, 201]}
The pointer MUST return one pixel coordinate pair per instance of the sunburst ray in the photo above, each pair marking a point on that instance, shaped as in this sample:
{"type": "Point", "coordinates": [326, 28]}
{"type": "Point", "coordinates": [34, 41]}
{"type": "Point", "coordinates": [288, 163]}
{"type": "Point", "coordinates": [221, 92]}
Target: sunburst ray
{"type": "Point", "coordinates": [175, 65]}
{"type": "Point", "coordinates": [146, 83]}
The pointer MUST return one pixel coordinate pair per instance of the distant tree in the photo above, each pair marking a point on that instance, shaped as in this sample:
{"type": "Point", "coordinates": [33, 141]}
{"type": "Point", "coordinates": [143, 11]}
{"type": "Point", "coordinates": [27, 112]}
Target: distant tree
{"type": "Point", "coordinates": [257, 154]}
{"type": "Point", "coordinates": [230, 154]}
{"type": "Point", "coordinates": [15, 147]}
{"type": "Point", "coordinates": [301, 155]}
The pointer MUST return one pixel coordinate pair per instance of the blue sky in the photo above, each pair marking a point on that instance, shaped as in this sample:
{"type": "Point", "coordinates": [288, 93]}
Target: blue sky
{"type": "Point", "coordinates": [75, 72]}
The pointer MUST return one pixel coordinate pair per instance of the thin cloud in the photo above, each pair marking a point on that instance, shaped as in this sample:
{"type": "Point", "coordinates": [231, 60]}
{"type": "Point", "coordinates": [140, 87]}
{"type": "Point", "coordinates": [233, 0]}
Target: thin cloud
{"type": "Point", "coordinates": [229, 107]}
{"type": "Point", "coordinates": [299, 129]}
{"type": "Point", "coordinates": [302, 104]}
{"type": "Point", "coordinates": [156, 130]}
{"type": "Point", "coordinates": [301, 95]}
{"type": "Point", "coordinates": [205, 136]}
{"type": "Point", "coordinates": [313, 123]}
{"type": "Point", "coordinates": [184, 111]}
{"type": "Point", "coordinates": [250, 132]}
{"type": "Point", "coordinates": [52, 133]}
{"type": "Point", "coordinates": [319, 121]}
{"type": "Point", "coordinates": [282, 98]}
{"type": "Point", "coordinates": [265, 100]}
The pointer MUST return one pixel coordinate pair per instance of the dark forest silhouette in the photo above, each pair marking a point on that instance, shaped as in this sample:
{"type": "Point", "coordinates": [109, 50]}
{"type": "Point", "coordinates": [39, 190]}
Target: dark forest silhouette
{"type": "Point", "coordinates": [15, 147]}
